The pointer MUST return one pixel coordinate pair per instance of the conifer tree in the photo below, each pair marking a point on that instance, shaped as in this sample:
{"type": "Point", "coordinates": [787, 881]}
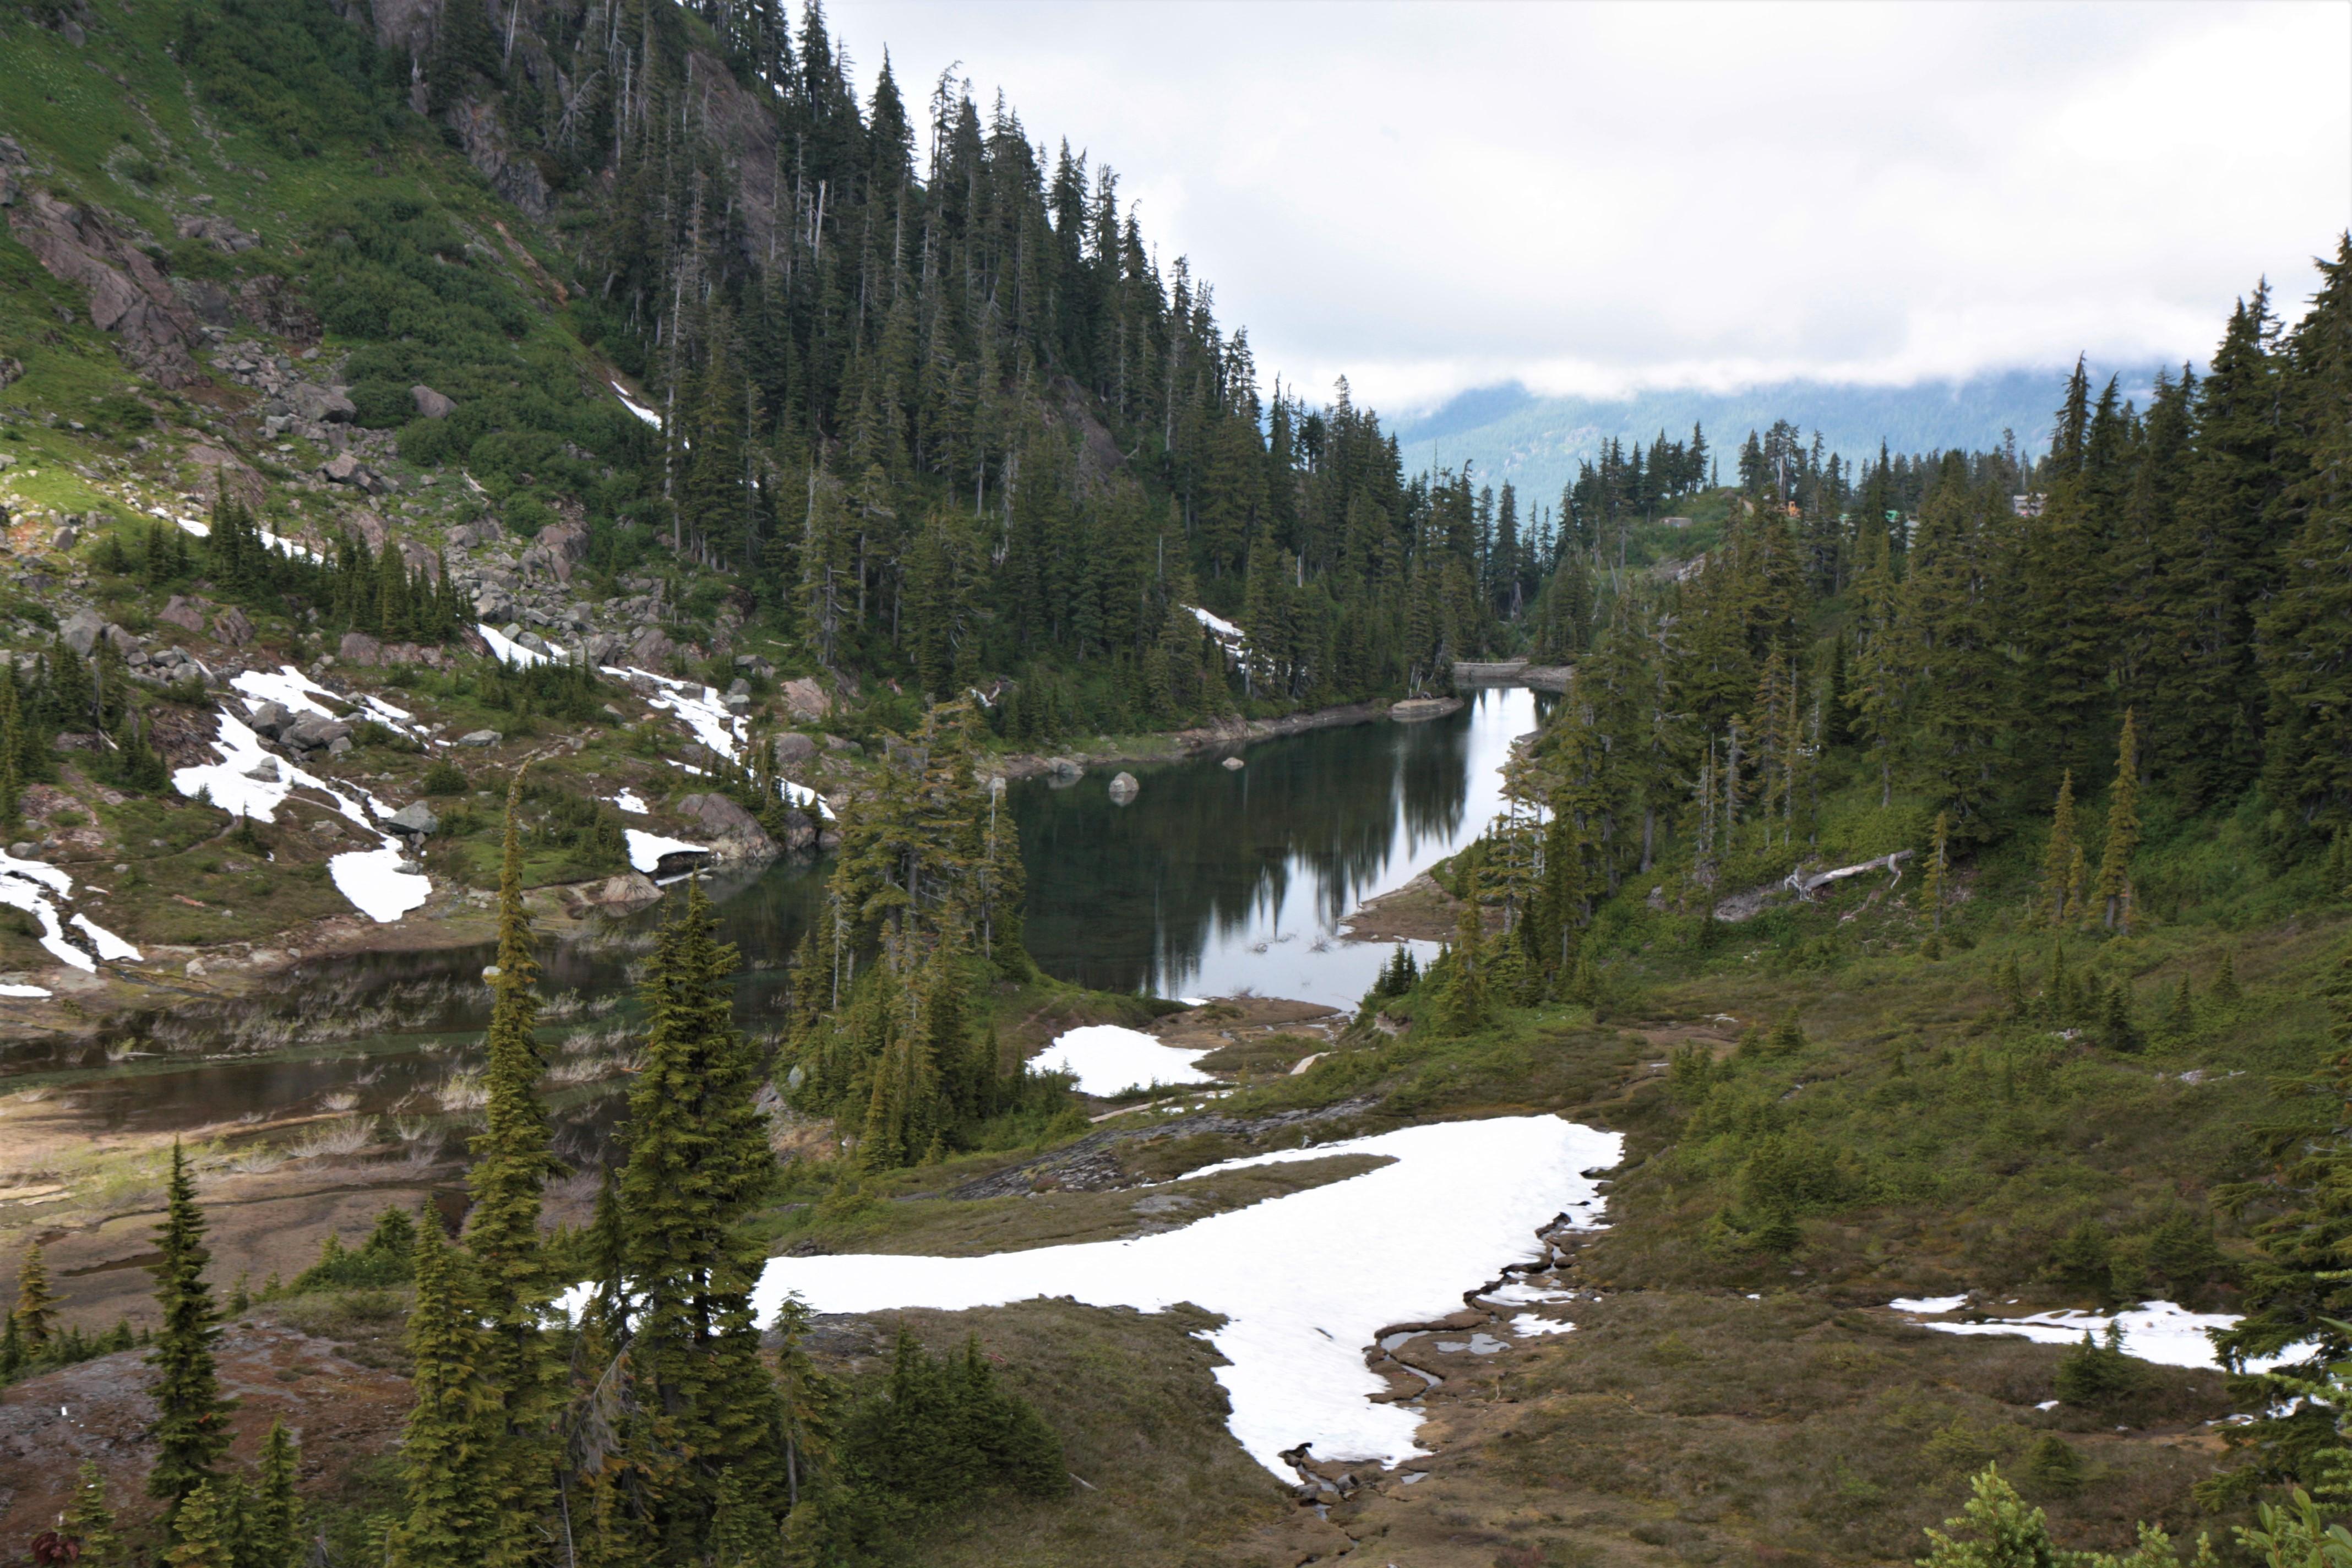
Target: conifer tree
{"type": "Point", "coordinates": [37, 1304]}
{"type": "Point", "coordinates": [2115, 889]}
{"type": "Point", "coordinates": [1936, 869]}
{"type": "Point", "coordinates": [1463, 998]}
{"type": "Point", "coordinates": [2225, 992]}
{"type": "Point", "coordinates": [2297, 1292]}
{"type": "Point", "coordinates": [204, 1528]}
{"type": "Point", "coordinates": [191, 1427]}
{"type": "Point", "coordinates": [454, 1448]}
{"type": "Point", "coordinates": [89, 1522]}
{"type": "Point", "coordinates": [2058, 857]}
{"type": "Point", "coordinates": [511, 1164]}
{"type": "Point", "coordinates": [698, 1161]}
{"type": "Point", "coordinates": [810, 1401]}
{"type": "Point", "coordinates": [2182, 1018]}
{"type": "Point", "coordinates": [275, 1540]}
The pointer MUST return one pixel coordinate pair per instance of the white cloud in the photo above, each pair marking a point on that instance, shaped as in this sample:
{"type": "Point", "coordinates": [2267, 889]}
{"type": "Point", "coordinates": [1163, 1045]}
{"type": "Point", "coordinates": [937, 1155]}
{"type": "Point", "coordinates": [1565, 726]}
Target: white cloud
{"type": "Point", "coordinates": [1592, 197]}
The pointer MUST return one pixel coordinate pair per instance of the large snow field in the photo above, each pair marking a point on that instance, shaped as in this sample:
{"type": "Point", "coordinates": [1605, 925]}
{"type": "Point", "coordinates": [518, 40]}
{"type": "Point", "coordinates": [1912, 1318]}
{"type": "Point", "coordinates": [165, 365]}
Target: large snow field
{"type": "Point", "coordinates": [1107, 1059]}
{"type": "Point", "coordinates": [1304, 1282]}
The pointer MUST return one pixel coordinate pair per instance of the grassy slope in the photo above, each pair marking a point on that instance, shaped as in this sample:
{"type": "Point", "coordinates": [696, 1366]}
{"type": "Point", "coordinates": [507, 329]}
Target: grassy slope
{"type": "Point", "coordinates": [1964, 1144]}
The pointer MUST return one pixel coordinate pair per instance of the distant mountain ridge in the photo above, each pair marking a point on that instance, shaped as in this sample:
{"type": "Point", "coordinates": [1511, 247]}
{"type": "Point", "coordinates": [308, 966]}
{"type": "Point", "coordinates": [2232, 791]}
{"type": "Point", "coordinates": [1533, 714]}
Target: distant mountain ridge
{"type": "Point", "coordinates": [1507, 432]}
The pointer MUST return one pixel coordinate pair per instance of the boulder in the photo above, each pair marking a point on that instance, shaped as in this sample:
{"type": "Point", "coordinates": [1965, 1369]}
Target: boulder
{"type": "Point", "coordinates": [231, 626]}
{"type": "Point", "coordinates": [431, 405]}
{"type": "Point", "coordinates": [270, 719]}
{"type": "Point", "coordinates": [613, 895]}
{"type": "Point", "coordinates": [807, 699]}
{"type": "Point", "coordinates": [1233, 764]}
{"type": "Point", "coordinates": [1124, 788]}
{"type": "Point", "coordinates": [82, 629]}
{"type": "Point", "coordinates": [65, 538]}
{"type": "Point", "coordinates": [414, 820]}
{"type": "Point", "coordinates": [218, 232]}
{"type": "Point", "coordinates": [182, 613]}
{"type": "Point", "coordinates": [795, 749]}
{"type": "Point", "coordinates": [313, 732]}
{"type": "Point", "coordinates": [358, 647]}
{"type": "Point", "coordinates": [1066, 769]}
{"type": "Point", "coordinates": [734, 832]}
{"type": "Point", "coordinates": [652, 650]}
{"type": "Point", "coordinates": [320, 405]}
{"type": "Point", "coordinates": [479, 738]}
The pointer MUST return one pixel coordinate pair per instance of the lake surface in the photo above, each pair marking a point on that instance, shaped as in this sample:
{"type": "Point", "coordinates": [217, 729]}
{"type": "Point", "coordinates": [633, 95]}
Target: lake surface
{"type": "Point", "coordinates": [1213, 883]}
{"type": "Point", "coordinates": [1209, 883]}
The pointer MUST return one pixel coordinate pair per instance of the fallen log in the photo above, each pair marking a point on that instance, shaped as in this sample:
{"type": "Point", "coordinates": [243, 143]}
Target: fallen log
{"type": "Point", "coordinates": [1805, 884]}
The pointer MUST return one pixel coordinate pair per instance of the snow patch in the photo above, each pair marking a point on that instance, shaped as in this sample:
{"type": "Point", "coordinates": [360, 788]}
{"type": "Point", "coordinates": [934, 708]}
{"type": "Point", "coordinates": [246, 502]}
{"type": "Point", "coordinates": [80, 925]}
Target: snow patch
{"type": "Point", "coordinates": [25, 990]}
{"type": "Point", "coordinates": [2161, 1331]}
{"type": "Point", "coordinates": [1529, 1323]}
{"type": "Point", "coordinates": [253, 783]}
{"type": "Point", "coordinates": [508, 651]}
{"type": "Point", "coordinates": [646, 850]}
{"type": "Point", "coordinates": [1107, 1059]}
{"type": "Point", "coordinates": [634, 407]}
{"type": "Point", "coordinates": [628, 800]}
{"type": "Point", "coordinates": [1928, 1303]}
{"type": "Point", "coordinates": [1303, 1281]}
{"type": "Point", "coordinates": [704, 713]}
{"type": "Point", "coordinates": [290, 687]}
{"type": "Point", "coordinates": [36, 887]}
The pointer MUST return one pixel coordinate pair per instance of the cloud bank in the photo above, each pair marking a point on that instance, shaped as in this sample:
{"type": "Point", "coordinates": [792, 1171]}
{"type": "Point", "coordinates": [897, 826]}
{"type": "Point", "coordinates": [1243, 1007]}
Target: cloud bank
{"type": "Point", "coordinates": [1597, 199]}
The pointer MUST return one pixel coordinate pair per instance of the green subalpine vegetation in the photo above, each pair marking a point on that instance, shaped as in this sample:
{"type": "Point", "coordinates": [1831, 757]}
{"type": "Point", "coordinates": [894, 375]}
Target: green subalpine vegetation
{"type": "Point", "coordinates": [2075, 1030]}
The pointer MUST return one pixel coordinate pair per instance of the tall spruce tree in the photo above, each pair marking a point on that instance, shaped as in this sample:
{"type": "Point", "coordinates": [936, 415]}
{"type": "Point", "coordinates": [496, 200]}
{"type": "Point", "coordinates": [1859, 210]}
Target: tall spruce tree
{"type": "Point", "coordinates": [37, 1302]}
{"type": "Point", "coordinates": [275, 1539]}
{"type": "Point", "coordinates": [698, 1162]}
{"type": "Point", "coordinates": [191, 1427]}
{"type": "Point", "coordinates": [512, 1160]}
{"type": "Point", "coordinates": [2115, 889]}
{"type": "Point", "coordinates": [454, 1455]}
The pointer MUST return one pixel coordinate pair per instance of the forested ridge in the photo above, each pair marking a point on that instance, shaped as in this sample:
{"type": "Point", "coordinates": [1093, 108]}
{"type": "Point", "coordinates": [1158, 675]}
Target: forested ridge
{"type": "Point", "coordinates": [875, 393]}
{"type": "Point", "coordinates": [927, 395]}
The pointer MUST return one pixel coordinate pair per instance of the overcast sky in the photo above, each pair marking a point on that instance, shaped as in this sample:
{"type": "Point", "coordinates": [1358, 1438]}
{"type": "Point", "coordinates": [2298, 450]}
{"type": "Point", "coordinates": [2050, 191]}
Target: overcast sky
{"type": "Point", "coordinates": [1429, 197]}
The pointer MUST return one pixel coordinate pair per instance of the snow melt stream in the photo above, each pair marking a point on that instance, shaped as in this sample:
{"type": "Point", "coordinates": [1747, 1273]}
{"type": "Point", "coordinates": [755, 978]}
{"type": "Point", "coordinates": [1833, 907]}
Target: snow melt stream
{"type": "Point", "coordinates": [1304, 1282]}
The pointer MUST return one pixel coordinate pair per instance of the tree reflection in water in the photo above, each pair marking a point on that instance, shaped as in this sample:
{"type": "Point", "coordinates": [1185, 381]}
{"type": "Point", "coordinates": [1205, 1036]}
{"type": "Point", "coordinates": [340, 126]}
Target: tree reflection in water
{"type": "Point", "coordinates": [1214, 880]}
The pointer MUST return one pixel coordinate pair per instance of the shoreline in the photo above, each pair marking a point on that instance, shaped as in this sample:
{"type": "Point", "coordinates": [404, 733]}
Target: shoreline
{"type": "Point", "coordinates": [83, 1004]}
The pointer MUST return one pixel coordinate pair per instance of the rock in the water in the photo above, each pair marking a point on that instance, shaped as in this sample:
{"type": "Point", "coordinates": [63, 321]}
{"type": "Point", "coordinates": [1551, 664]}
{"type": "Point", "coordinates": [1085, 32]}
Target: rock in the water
{"type": "Point", "coordinates": [1066, 769]}
{"type": "Point", "coordinates": [613, 895]}
{"type": "Point", "coordinates": [1233, 764]}
{"type": "Point", "coordinates": [479, 738]}
{"type": "Point", "coordinates": [1124, 788]}
{"type": "Point", "coordinates": [734, 832]}
{"type": "Point", "coordinates": [415, 819]}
